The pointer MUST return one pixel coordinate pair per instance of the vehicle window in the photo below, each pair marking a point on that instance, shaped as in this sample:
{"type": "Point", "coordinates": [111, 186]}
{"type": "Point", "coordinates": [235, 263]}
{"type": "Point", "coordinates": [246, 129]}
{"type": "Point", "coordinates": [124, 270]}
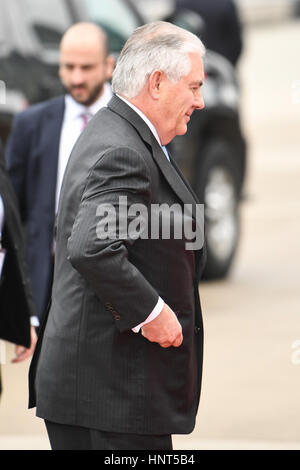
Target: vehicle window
{"type": "Point", "coordinates": [156, 9]}
{"type": "Point", "coordinates": [115, 17]}
{"type": "Point", "coordinates": [49, 20]}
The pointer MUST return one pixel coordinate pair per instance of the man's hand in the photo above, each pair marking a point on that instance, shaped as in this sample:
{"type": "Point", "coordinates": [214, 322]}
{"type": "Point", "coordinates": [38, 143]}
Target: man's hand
{"type": "Point", "coordinates": [164, 329]}
{"type": "Point", "coordinates": [23, 353]}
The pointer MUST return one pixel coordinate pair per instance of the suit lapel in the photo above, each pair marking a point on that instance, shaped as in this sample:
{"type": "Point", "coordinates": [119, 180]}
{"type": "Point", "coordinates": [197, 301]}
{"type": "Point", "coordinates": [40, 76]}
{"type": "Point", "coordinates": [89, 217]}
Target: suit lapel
{"type": "Point", "coordinates": [184, 180]}
{"type": "Point", "coordinates": [172, 174]}
{"type": "Point", "coordinates": [53, 126]}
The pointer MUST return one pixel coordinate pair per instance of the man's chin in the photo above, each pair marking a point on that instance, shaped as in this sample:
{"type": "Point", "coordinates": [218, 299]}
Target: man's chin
{"type": "Point", "coordinates": [182, 130]}
{"type": "Point", "coordinates": [80, 98]}
{"type": "Point", "coordinates": [85, 96]}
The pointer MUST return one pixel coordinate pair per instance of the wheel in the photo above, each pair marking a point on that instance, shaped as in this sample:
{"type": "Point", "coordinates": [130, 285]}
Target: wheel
{"type": "Point", "coordinates": [218, 186]}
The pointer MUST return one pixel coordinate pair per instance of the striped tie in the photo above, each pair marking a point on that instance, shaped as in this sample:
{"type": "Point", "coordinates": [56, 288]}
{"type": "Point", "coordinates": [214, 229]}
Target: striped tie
{"type": "Point", "coordinates": [85, 119]}
{"type": "Point", "coordinates": [165, 152]}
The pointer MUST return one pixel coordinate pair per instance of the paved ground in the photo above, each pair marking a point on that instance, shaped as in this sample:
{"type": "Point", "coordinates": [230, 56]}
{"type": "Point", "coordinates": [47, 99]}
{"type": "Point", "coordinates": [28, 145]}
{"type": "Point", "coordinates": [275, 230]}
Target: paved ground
{"type": "Point", "coordinates": [251, 383]}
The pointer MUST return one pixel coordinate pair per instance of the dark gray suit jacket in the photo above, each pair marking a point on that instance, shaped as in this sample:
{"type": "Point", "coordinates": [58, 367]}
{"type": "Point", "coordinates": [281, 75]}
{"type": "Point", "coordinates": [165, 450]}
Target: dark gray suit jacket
{"type": "Point", "coordinates": [89, 368]}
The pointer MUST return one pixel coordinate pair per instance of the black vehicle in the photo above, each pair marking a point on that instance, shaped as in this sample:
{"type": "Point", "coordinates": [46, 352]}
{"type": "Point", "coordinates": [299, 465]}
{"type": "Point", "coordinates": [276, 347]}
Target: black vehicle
{"type": "Point", "coordinates": [212, 154]}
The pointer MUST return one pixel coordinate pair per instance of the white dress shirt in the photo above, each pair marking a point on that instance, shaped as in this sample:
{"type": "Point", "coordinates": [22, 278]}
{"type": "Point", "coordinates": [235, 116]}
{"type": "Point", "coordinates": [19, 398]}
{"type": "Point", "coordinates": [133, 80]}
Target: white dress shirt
{"type": "Point", "coordinates": [160, 304]}
{"type": "Point", "coordinates": [72, 127]}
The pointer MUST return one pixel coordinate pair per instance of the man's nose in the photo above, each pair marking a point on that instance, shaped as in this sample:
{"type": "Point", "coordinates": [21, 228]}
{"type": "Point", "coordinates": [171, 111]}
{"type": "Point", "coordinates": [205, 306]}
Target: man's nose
{"type": "Point", "coordinates": [77, 76]}
{"type": "Point", "coordinates": [199, 102]}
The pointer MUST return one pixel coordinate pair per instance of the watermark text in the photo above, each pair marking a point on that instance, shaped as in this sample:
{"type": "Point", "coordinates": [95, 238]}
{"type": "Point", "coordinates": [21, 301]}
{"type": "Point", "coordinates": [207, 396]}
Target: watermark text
{"type": "Point", "coordinates": [159, 221]}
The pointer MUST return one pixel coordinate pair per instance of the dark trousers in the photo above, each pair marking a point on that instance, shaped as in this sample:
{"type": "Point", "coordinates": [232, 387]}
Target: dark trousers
{"type": "Point", "coordinates": [66, 437]}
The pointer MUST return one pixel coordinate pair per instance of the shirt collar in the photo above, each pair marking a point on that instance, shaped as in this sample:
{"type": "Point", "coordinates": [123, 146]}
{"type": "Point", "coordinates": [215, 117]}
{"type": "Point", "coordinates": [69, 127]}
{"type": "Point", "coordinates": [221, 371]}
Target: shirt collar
{"type": "Point", "coordinates": [73, 109]}
{"type": "Point", "coordinates": [142, 115]}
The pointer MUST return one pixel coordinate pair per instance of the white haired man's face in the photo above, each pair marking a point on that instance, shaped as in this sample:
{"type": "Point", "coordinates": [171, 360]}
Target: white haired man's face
{"type": "Point", "coordinates": [179, 100]}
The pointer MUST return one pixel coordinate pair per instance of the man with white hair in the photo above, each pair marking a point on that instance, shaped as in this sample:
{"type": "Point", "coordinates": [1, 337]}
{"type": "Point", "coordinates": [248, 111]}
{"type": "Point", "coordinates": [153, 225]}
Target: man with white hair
{"type": "Point", "coordinates": [118, 364]}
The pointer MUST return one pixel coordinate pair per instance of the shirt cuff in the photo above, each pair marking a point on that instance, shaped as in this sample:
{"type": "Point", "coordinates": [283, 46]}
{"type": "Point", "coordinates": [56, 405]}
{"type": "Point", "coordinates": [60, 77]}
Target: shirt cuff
{"type": "Point", "coordinates": [34, 321]}
{"type": "Point", "coordinates": [155, 312]}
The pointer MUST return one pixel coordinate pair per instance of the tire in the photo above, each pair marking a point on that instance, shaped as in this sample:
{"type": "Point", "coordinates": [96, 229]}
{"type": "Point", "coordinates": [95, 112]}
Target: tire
{"type": "Point", "coordinates": [218, 186]}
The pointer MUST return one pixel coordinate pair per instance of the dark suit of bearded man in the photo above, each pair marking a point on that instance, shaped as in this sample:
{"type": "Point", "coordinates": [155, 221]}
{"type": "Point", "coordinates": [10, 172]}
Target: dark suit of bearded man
{"type": "Point", "coordinates": [90, 369]}
{"type": "Point", "coordinates": [32, 158]}
{"type": "Point", "coordinates": [32, 155]}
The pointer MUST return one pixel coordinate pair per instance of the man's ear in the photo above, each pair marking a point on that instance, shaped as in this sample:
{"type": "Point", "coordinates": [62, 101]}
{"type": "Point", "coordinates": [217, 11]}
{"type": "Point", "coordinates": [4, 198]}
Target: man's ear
{"type": "Point", "coordinates": [155, 82]}
{"type": "Point", "coordinates": [110, 66]}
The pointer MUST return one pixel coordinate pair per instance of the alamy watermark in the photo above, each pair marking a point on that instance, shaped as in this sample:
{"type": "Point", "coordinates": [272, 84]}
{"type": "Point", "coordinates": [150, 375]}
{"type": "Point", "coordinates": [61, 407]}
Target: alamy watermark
{"type": "Point", "coordinates": [159, 221]}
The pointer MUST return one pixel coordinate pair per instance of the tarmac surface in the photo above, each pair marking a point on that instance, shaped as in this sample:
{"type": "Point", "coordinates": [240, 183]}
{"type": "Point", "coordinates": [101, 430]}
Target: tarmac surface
{"type": "Point", "coordinates": [251, 381]}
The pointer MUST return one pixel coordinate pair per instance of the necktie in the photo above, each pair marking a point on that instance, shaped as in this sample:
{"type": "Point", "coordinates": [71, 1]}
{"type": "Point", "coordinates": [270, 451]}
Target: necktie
{"type": "Point", "coordinates": [165, 152]}
{"type": "Point", "coordinates": [85, 119]}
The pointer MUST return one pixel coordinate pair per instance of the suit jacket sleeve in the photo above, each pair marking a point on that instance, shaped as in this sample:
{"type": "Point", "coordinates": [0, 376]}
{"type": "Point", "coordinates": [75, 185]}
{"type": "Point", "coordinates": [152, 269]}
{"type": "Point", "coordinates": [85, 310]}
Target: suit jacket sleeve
{"type": "Point", "coordinates": [105, 263]}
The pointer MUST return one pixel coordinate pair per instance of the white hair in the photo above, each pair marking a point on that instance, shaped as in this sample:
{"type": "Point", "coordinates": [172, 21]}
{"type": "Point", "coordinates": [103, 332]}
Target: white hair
{"type": "Point", "coordinates": [154, 46]}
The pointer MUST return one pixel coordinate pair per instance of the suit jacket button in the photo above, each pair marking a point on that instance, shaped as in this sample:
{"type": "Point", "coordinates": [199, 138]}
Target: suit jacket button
{"type": "Point", "coordinates": [197, 329]}
{"type": "Point", "coordinates": [116, 315]}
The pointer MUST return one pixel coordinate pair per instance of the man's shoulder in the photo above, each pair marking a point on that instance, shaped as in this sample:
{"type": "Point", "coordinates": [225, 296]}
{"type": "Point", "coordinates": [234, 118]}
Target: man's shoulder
{"type": "Point", "coordinates": [125, 131]}
{"type": "Point", "coordinates": [35, 111]}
